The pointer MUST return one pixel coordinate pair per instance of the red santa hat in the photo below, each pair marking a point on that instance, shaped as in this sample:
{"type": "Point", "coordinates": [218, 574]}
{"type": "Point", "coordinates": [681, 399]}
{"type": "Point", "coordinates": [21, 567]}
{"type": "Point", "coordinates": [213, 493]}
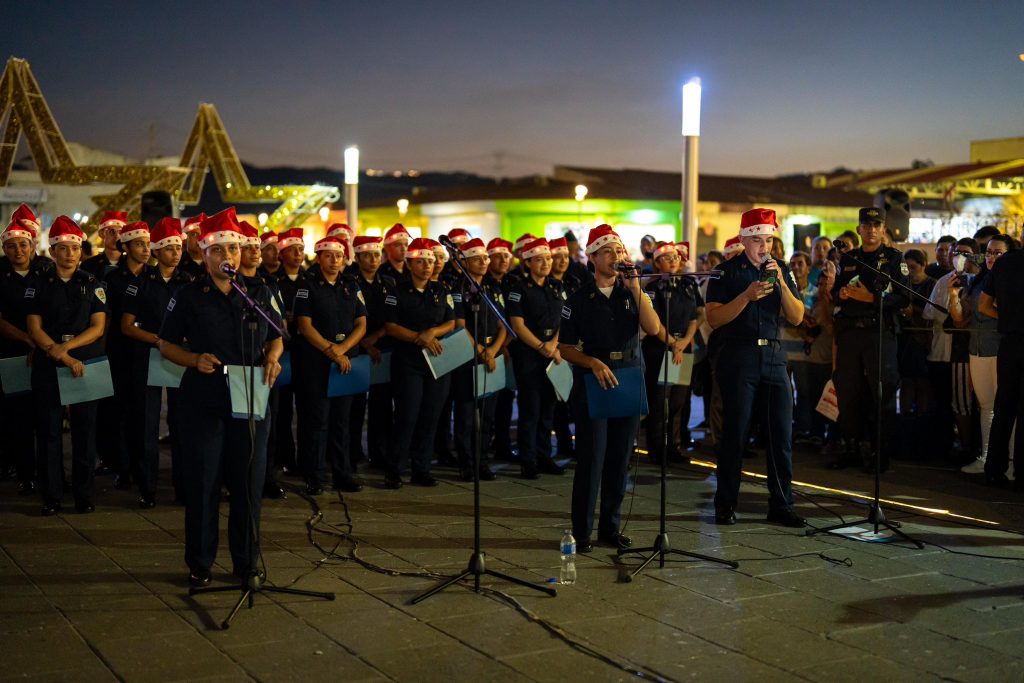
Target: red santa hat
{"type": "Point", "coordinates": [192, 223]}
{"type": "Point", "coordinates": [538, 247]}
{"type": "Point", "coordinates": [473, 247]}
{"type": "Point", "coordinates": [732, 246]}
{"type": "Point", "coordinates": [396, 233]}
{"type": "Point", "coordinates": [460, 236]}
{"type": "Point", "coordinates": [267, 239]}
{"type": "Point", "coordinates": [366, 243]}
{"type": "Point", "coordinates": [684, 250]}
{"type": "Point", "coordinates": [663, 248]}
{"type": "Point", "coordinates": [165, 233]}
{"type": "Point", "coordinates": [220, 228]}
{"type": "Point", "coordinates": [23, 224]}
{"type": "Point", "coordinates": [601, 236]}
{"type": "Point", "coordinates": [758, 222]}
{"type": "Point", "coordinates": [341, 231]}
{"type": "Point", "coordinates": [522, 242]}
{"type": "Point", "coordinates": [331, 243]}
{"type": "Point", "coordinates": [133, 231]}
{"type": "Point", "coordinates": [421, 247]}
{"type": "Point", "coordinates": [559, 245]}
{"type": "Point", "coordinates": [65, 230]}
{"type": "Point", "coordinates": [290, 238]}
{"type": "Point", "coordinates": [499, 246]}
{"type": "Point", "coordinates": [250, 235]}
{"type": "Point", "coordinates": [112, 219]}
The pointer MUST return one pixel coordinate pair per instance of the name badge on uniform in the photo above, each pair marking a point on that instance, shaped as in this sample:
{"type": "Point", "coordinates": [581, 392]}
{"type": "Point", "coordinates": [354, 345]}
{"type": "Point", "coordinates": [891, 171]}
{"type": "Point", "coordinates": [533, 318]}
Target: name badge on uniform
{"type": "Point", "coordinates": [390, 301]}
{"type": "Point", "coordinates": [457, 297]}
{"type": "Point", "coordinates": [566, 312]}
{"type": "Point", "coordinates": [514, 296]}
{"type": "Point", "coordinates": [30, 293]}
{"type": "Point", "coordinates": [170, 304]}
{"type": "Point", "coordinates": [132, 290]}
{"type": "Point", "coordinates": [302, 294]}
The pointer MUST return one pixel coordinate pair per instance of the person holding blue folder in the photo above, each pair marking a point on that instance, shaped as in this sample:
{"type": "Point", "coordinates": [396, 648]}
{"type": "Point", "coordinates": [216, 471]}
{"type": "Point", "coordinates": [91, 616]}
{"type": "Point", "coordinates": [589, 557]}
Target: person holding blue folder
{"type": "Point", "coordinates": [331, 319]}
{"type": "Point", "coordinates": [19, 245]}
{"type": "Point", "coordinates": [563, 270]}
{"type": "Point", "coordinates": [66, 315]}
{"type": "Point", "coordinates": [418, 314]}
{"type": "Point", "coordinates": [599, 334]}
{"type": "Point", "coordinates": [218, 449]}
{"type": "Point", "coordinates": [142, 314]}
{"type": "Point", "coordinates": [534, 310]}
{"type": "Point", "coordinates": [488, 347]}
{"type": "Point", "coordinates": [685, 312]}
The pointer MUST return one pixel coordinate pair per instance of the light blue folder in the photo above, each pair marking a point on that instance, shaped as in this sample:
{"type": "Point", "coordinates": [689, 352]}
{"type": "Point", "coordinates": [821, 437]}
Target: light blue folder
{"type": "Point", "coordinates": [238, 384]}
{"type": "Point", "coordinates": [162, 372]}
{"type": "Point", "coordinates": [560, 376]}
{"type": "Point", "coordinates": [91, 386]}
{"type": "Point", "coordinates": [488, 383]}
{"type": "Point", "coordinates": [677, 374]}
{"type": "Point", "coordinates": [356, 381]}
{"type": "Point", "coordinates": [457, 349]}
{"type": "Point", "coordinates": [285, 377]}
{"type": "Point", "coordinates": [380, 373]}
{"type": "Point", "coordinates": [16, 375]}
{"type": "Point", "coordinates": [629, 398]}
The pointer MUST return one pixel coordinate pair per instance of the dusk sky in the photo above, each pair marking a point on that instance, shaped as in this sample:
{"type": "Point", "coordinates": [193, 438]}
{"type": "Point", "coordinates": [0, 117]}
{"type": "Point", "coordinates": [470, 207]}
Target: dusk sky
{"type": "Point", "coordinates": [788, 86]}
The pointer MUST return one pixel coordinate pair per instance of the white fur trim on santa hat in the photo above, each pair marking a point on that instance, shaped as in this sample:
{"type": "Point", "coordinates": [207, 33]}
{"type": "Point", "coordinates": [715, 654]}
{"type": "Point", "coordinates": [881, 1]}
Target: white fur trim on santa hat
{"type": "Point", "coordinates": [665, 249]}
{"type": "Point", "coordinates": [127, 236]}
{"type": "Point", "coordinates": [220, 237]}
{"type": "Point", "coordinates": [474, 251]}
{"type": "Point", "coordinates": [165, 242]}
{"type": "Point", "coordinates": [759, 229]}
{"type": "Point", "coordinates": [16, 231]}
{"type": "Point", "coordinates": [539, 250]}
{"type": "Point", "coordinates": [283, 244]}
{"type": "Point", "coordinates": [420, 253]}
{"type": "Point", "coordinates": [328, 245]}
{"type": "Point", "coordinates": [604, 240]}
{"type": "Point", "coordinates": [66, 237]}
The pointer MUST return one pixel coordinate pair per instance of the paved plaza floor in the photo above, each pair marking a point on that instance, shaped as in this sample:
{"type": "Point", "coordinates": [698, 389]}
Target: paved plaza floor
{"type": "Point", "coordinates": [103, 596]}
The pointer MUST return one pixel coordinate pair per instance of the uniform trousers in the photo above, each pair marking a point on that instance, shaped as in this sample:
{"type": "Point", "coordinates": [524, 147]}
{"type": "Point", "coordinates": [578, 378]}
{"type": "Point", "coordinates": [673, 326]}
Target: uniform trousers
{"type": "Point", "coordinates": [50, 451]}
{"type": "Point", "coordinates": [753, 382]}
{"type": "Point", "coordinates": [1008, 408]}
{"type": "Point", "coordinates": [536, 399]}
{"type": "Point", "coordinates": [417, 406]}
{"type": "Point", "coordinates": [560, 422]}
{"type": "Point", "coordinates": [324, 424]}
{"type": "Point", "coordinates": [357, 417]}
{"type": "Point", "coordinates": [283, 446]}
{"type": "Point", "coordinates": [678, 407]}
{"type": "Point", "coordinates": [380, 412]}
{"type": "Point", "coordinates": [465, 419]}
{"type": "Point", "coordinates": [149, 466]}
{"type": "Point", "coordinates": [129, 391]}
{"type": "Point", "coordinates": [856, 380]}
{"type": "Point", "coordinates": [17, 416]}
{"type": "Point", "coordinates": [503, 421]}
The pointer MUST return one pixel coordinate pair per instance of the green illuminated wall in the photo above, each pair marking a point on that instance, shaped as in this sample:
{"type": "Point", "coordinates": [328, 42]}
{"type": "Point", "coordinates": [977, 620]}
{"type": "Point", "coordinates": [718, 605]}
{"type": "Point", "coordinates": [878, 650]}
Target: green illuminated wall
{"type": "Point", "coordinates": [519, 216]}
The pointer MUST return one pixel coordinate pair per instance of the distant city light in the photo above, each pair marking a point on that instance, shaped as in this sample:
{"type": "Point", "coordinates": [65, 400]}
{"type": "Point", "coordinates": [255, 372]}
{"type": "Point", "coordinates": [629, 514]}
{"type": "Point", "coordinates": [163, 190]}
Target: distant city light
{"type": "Point", "coordinates": [581, 192]}
{"type": "Point", "coordinates": [262, 219]}
{"type": "Point", "coordinates": [325, 213]}
{"type": "Point", "coordinates": [403, 206]}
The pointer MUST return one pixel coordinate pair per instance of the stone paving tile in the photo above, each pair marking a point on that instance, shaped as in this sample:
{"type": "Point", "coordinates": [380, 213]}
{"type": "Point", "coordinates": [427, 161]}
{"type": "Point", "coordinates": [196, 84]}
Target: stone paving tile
{"type": "Point", "coordinates": [305, 658]}
{"type": "Point", "coordinates": [443, 665]}
{"type": "Point", "coordinates": [562, 663]}
{"type": "Point", "coordinates": [864, 667]}
{"type": "Point", "coordinates": [46, 649]}
{"type": "Point", "coordinates": [88, 672]}
{"type": "Point", "coordinates": [172, 656]}
{"type": "Point", "coordinates": [1008, 642]}
{"type": "Point", "coordinates": [102, 618]}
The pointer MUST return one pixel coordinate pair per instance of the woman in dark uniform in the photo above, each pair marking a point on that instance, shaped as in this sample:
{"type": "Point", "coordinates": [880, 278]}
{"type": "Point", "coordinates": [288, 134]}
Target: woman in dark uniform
{"type": "Point", "coordinates": [534, 310]}
{"type": "Point", "coordinates": [418, 314]}
{"type": "Point", "coordinates": [210, 316]}
{"type": "Point", "coordinates": [67, 312]}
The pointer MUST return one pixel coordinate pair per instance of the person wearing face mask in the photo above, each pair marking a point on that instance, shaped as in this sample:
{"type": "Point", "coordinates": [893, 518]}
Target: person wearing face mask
{"type": "Point", "coordinates": [747, 307]}
{"type": "Point", "coordinates": [943, 255]}
{"type": "Point", "coordinates": [965, 272]}
{"type": "Point", "coordinates": [856, 294]}
{"type": "Point", "coordinates": [217, 447]}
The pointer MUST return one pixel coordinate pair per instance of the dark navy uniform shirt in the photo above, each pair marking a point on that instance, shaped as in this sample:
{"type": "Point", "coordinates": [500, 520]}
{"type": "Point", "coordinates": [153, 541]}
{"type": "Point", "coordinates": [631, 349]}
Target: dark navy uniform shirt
{"type": "Point", "coordinates": [333, 310]}
{"type": "Point", "coordinates": [288, 287]}
{"type": "Point", "coordinates": [13, 306]}
{"type": "Point", "coordinates": [760, 319]}
{"type": "Point", "coordinates": [598, 325]}
{"type": "Point", "coordinates": [209, 321]}
{"type": "Point", "coordinates": [117, 282]}
{"type": "Point", "coordinates": [1005, 283]}
{"type": "Point", "coordinates": [540, 306]}
{"type": "Point", "coordinates": [148, 299]}
{"type": "Point", "coordinates": [99, 265]}
{"type": "Point", "coordinates": [374, 293]}
{"type": "Point", "coordinates": [489, 324]}
{"type": "Point", "coordinates": [417, 311]}
{"type": "Point", "coordinates": [66, 309]}
{"type": "Point", "coordinates": [684, 301]}
{"type": "Point", "coordinates": [885, 259]}
{"type": "Point", "coordinates": [390, 271]}
{"type": "Point", "coordinates": [196, 269]}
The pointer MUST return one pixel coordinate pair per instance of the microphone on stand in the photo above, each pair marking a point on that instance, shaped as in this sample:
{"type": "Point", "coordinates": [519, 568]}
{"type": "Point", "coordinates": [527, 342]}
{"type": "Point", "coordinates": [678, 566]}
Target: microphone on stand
{"type": "Point", "coordinates": [227, 269]}
{"type": "Point", "coordinates": [626, 267]}
{"type": "Point", "coordinates": [448, 244]}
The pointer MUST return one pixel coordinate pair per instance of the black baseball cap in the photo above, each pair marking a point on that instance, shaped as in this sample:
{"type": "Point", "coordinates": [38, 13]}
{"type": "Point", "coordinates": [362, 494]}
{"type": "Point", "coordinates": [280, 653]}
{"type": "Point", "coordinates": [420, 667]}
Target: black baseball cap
{"type": "Point", "coordinates": [871, 214]}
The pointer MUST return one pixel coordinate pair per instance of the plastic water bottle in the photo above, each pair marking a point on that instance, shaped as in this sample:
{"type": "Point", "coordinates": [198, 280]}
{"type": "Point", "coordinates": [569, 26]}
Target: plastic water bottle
{"type": "Point", "coordinates": [567, 574]}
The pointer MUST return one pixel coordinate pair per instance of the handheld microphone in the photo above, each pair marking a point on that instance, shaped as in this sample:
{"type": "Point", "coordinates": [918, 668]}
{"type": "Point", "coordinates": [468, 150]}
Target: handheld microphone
{"type": "Point", "coordinates": [765, 276]}
{"type": "Point", "coordinates": [227, 269]}
{"type": "Point", "coordinates": [624, 267]}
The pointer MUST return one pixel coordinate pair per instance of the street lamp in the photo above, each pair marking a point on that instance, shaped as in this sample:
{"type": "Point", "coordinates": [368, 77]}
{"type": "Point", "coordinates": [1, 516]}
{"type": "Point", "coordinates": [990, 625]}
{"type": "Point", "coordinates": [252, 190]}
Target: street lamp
{"type": "Point", "coordinates": [352, 186]}
{"type": "Point", "coordinates": [581, 194]}
{"type": "Point", "coordinates": [403, 207]}
{"type": "Point", "coordinates": [691, 138]}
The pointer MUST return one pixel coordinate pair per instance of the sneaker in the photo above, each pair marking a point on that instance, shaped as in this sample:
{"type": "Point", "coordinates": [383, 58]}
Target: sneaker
{"type": "Point", "coordinates": [976, 467]}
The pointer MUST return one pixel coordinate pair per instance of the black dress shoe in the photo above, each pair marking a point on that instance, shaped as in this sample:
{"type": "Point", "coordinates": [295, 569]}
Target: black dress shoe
{"type": "Point", "coordinates": [486, 474]}
{"type": "Point", "coordinates": [423, 480]}
{"type": "Point", "coordinates": [314, 489]}
{"type": "Point", "coordinates": [529, 471]}
{"type": "Point", "coordinates": [274, 492]}
{"type": "Point", "coordinates": [200, 576]}
{"type": "Point", "coordinates": [585, 546]}
{"type": "Point", "coordinates": [549, 466]}
{"type": "Point", "coordinates": [616, 540]}
{"type": "Point", "coordinates": [349, 485]}
{"type": "Point", "coordinates": [26, 488]}
{"type": "Point", "coordinates": [393, 482]}
{"type": "Point", "coordinates": [147, 501]}
{"type": "Point", "coordinates": [50, 508]}
{"type": "Point", "coordinates": [85, 506]}
{"type": "Point", "coordinates": [725, 516]}
{"type": "Point", "coordinates": [786, 518]}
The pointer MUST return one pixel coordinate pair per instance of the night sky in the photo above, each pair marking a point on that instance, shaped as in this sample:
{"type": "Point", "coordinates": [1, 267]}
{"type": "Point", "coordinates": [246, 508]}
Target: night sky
{"type": "Point", "coordinates": [788, 86]}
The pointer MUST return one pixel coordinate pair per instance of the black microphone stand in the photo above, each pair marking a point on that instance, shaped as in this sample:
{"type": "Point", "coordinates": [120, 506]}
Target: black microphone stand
{"type": "Point", "coordinates": [661, 546]}
{"type": "Point", "coordinates": [875, 514]}
{"type": "Point", "coordinates": [252, 583]}
{"type": "Point", "coordinates": [477, 566]}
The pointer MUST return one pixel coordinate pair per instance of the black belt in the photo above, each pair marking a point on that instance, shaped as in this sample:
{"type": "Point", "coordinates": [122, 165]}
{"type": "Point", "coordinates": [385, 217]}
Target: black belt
{"type": "Point", "coordinates": [628, 354]}
{"type": "Point", "coordinates": [754, 342]}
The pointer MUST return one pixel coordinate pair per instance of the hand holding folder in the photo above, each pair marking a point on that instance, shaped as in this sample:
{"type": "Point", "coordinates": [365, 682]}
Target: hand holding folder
{"type": "Point", "coordinates": [627, 399]}
{"type": "Point", "coordinates": [95, 382]}
{"type": "Point", "coordinates": [456, 349]}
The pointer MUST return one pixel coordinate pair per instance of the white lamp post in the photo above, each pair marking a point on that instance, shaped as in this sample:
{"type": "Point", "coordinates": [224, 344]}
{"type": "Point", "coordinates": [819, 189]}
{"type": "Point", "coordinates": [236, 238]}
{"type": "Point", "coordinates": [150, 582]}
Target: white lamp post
{"type": "Point", "coordinates": [352, 186]}
{"type": "Point", "coordinates": [691, 138]}
{"type": "Point", "coordinates": [403, 207]}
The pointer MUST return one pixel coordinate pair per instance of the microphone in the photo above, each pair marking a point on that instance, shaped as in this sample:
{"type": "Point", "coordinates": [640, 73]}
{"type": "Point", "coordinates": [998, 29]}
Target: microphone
{"type": "Point", "coordinates": [227, 269]}
{"type": "Point", "coordinates": [448, 244]}
{"type": "Point", "coordinates": [624, 267]}
{"type": "Point", "coordinates": [764, 262]}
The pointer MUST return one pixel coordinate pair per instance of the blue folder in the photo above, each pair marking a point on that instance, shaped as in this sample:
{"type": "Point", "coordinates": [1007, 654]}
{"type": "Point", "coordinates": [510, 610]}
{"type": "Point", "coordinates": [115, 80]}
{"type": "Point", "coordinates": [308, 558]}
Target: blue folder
{"type": "Point", "coordinates": [16, 375]}
{"type": "Point", "coordinates": [456, 350]}
{"type": "Point", "coordinates": [91, 386]}
{"type": "Point", "coordinates": [560, 376]}
{"type": "Point", "coordinates": [285, 377]}
{"type": "Point", "coordinates": [162, 372]}
{"type": "Point", "coordinates": [628, 399]}
{"type": "Point", "coordinates": [677, 374]}
{"type": "Point", "coordinates": [238, 384]}
{"type": "Point", "coordinates": [357, 381]}
{"type": "Point", "coordinates": [488, 383]}
{"type": "Point", "coordinates": [380, 373]}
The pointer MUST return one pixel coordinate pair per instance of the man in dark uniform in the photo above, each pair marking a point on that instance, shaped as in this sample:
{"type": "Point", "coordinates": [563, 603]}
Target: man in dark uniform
{"type": "Point", "coordinates": [16, 417]}
{"type": "Point", "coordinates": [142, 313]}
{"type": "Point", "coordinates": [572, 280]}
{"type": "Point", "coordinates": [331, 319]}
{"type": "Point", "coordinates": [442, 275]}
{"type": "Point", "coordinates": [1002, 297]}
{"type": "Point", "coordinates": [192, 260]}
{"type": "Point", "coordinates": [857, 292]}
{"type": "Point", "coordinates": [599, 334]}
{"type": "Point", "coordinates": [746, 308]}
{"type": "Point", "coordinates": [218, 448]}
{"type": "Point", "coordinates": [290, 278]}
{"type": "Point", "coordinates": [270, 258]}
{"type": "Point", "coordinates": [109, 232]}
{"type": "Point", "coordinates": [66, 315]}
{"type": "Point", "coordinates": [499, 251]}
{"type": "Point", "coordinates": [418, 314]}
{"type": "Point", "coordinates": [396, 242]}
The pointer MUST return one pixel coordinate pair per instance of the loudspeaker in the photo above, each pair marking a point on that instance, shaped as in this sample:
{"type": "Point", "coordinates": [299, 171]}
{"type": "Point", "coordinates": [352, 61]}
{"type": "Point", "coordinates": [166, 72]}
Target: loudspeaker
{"type": "Point", "coordinates": [803, 235]}
{"type": "Point", "coordinates": [897, 212]}
{"type": "Point", "coordinates": [156, 205]}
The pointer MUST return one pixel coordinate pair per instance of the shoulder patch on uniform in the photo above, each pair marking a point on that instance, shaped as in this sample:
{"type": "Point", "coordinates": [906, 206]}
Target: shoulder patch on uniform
{"type": "Point", "coordinates": [792, 279]}
{"type": "Point", "coordinates": [275, 305]}
{"type": "Point", "coordinates": [302, 294]}
{"type": "Point", "coordinates": [132, 290]}
{"type": "Point", "coordinates": [514, 296]}
{"type": "Point", "coordinates": [101, 295]}
{"type": "Point", "coordinates": [904, 270]}
{"type": "Point", "coordinates": [566, 312]}
{"type": "Point", "coordinates": [359, 295]}
{"type": "Point", "coordinates": [390, 300]}
{"type": "Point", "coordinates": [30, 293]}
{"type": "Point", "coordinates": [564, 295]}
{"type": "Point", "coordinates": [170, 304]}
{"type": "Point", "coordinates": [451, 302]}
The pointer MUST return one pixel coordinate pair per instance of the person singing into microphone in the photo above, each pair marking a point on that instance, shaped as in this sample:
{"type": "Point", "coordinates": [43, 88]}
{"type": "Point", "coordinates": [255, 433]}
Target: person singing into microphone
{"type": "Point", "coordinates": [745, 307]}
{"type": "Point", "coordinates": [599, 333]}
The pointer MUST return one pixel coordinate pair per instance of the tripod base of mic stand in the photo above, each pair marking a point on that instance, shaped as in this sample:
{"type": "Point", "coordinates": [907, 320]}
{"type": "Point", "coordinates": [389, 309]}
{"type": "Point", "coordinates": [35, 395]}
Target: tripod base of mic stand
{"type": "Point", "coordinates": [661, 548]}
{"type": "Point", "coordinates": [876, 517]}
{"type": "Point", "coordinates": [252, 585]}
{"type": "Point", "coordinates": [477, 568]}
